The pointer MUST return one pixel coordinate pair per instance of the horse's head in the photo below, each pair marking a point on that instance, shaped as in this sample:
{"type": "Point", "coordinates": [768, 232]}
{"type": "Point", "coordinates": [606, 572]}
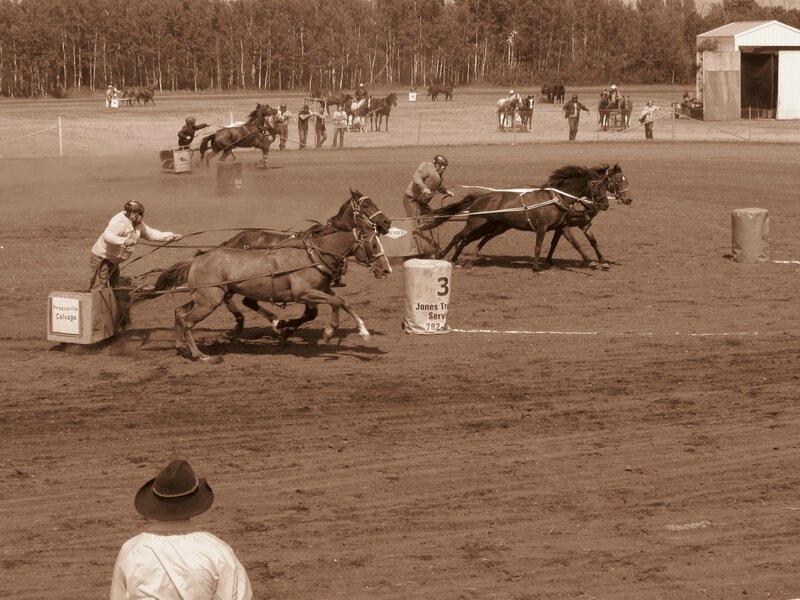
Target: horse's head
{"type": "Point", "coordinates": [391, 99]}
{"type": "Point", "coordinates": [618, 184]}
{"type": "Point", "coordinates": [368, 251]}
{"type": "Point", "coordinates": [365, 210]}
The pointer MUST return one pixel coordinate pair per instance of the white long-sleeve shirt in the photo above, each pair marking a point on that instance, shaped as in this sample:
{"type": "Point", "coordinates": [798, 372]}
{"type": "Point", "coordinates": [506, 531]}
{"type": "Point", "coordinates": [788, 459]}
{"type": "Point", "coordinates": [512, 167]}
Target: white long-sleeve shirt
{"type": "Point", "coordinates": [110, 245]}
{"type": "Point", "coordinates": [166, 563]}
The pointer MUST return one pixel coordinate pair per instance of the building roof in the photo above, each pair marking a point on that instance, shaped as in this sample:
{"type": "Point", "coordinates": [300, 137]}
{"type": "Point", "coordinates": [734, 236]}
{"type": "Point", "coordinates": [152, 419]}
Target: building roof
{"type": "Point", "coordinates": [742, 27]}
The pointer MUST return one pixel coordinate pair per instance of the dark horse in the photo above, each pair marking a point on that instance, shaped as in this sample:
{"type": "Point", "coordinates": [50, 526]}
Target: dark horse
{"type": "Point", "coordinates": [625, 110]}
{"type": "Point", "coordinates": [438, 88]}
{"type": "Point", "coordinates": [299, 270]}
{"type": "Point", "coordinates": [526, 112]}
{"type": "Point", "coordinates": [259, 131]}
{"type": "Point", "coordinates": [381, 107]}
{"type": "Point", "coordinates": [539, 209]}
{"type": "Point", "coordinates": [580, 216]}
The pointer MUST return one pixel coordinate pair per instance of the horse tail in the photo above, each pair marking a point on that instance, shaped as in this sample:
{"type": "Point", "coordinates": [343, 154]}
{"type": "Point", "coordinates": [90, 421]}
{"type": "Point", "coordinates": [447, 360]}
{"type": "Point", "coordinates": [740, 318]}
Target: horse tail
{"type": "Point", "coordinates": [174, 276]}
{"type": "Point", "coordinates": [205, 144]}
{"type": "Point", "coordinates": [438, 216]}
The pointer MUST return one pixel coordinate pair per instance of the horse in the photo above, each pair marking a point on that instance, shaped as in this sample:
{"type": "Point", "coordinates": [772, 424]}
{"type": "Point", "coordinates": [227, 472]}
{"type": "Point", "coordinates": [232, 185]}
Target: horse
{"type": "Point", "coordinates": [507, 109]}
{"type": "Point", "coordinates": [382, 107]}
{"type": "Point", "coordinates": [144, 93]}
{"type": "Point", "coordinates": [625, 110]}
{"type": "Point", "coordinates": [326, 98]}
{"type": "Point", "coordinates": [603, 108]}
{"type": "Point", "coordinates": [538, 209]}
{"type": "Point", "coordinates": [358, 211]}
{"type": "Point", "coordinates": [526, 112]}
{"type": "Point", "coordinates": [437, 88]}
{"type": "Point", "coordinates": [298, 270]}
{"type": "Point", "coordinates": [559, 93]}
{"type": "Point", "coordinates": [581, 216]}
{"type": "Point", "coordinates": [259, 131]}
{"type": "Point", "coordinates": [357, 111]}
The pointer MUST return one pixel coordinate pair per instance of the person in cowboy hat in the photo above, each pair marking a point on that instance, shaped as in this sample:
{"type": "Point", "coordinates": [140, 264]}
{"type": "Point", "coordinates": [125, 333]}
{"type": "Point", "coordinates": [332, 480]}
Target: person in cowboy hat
{"type": "Point", "coordinates": [173, 558]}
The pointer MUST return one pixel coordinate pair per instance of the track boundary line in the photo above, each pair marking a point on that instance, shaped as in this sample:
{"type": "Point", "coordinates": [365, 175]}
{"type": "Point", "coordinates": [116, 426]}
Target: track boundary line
{"type": "Point", "coordinates": [613, 333]}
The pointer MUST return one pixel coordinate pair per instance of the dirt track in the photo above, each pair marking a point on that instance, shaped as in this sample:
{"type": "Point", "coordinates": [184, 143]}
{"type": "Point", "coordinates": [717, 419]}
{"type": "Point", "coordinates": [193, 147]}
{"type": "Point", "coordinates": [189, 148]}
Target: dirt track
{"type": "Point", "coordinates": [652, 456]}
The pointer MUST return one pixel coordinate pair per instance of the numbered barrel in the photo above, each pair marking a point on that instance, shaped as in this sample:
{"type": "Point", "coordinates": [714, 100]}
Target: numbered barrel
{"type": "Point", "coordinates": [229, 178]}
{"type": "Point", "coordinates": [427, 295]}
{"type": "Point", "coordinates": [750, 232]}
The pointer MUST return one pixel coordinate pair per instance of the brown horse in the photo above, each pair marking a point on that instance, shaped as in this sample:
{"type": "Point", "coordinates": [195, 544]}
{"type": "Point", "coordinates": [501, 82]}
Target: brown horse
{"type": "Point", "coordinates": [259, 132]}
{"type": "Point", "coordinates": [326, 98]}
{"type": "Point", "coordinates": [299, 270]}
{"type": "Point", "coordinates": [357, 212]}
{"type": "Point", "coordinates": [538, 209]}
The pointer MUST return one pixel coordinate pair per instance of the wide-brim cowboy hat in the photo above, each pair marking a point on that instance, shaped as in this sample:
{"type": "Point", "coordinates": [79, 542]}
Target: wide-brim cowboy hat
{"type": "Point", "coordinates": [174, 494]}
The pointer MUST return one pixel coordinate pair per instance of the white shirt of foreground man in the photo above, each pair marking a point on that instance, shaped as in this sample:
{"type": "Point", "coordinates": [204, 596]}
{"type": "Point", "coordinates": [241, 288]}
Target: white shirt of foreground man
{"type": "Point", "coordinates": [173, 560]}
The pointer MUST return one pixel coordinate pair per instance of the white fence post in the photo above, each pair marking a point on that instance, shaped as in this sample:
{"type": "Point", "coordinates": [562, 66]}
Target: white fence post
{"type": "Point", "coordinates": [60, 139]}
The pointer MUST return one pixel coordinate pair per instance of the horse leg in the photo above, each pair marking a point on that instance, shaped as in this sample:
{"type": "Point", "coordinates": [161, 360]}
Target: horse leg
{"type": "Point", "coordinates": [587, 231]}
{"type": "Point", "coordinates": [315, 297]}
{"type": "Point", "coordinates": [490, 236]}
{"type": "Point", "coordinates": [540, 231]}
{"type": "Point", "coordinates": [288, 327]}
{"type": "Point", "coordinates": [203, 303]}
{"type": "Point", "coordinates": [567, 231]}
{"type": "Point", "coordinates": [237, 315]}
{"type": "Point", "coordinates": [274, 322]}
{"type": "Point", "coordinates": [553, 243]}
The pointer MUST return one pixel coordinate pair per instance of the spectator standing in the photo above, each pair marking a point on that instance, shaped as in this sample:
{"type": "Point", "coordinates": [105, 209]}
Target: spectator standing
{"type": "Point", "coordinates": [282, 118]}
{"type": "Point", "coordinates": [339, 127]}
{"type": "Point", "coordinates": [320, 131]}
{"type": "Point", "coordinates": [173, 559]}
{"type": "Point", "coordinates": [572, 111]}
{"type": "Point", "coordinates": [302, 125]}
{"type": "Point", "coordinates": [647, 118]}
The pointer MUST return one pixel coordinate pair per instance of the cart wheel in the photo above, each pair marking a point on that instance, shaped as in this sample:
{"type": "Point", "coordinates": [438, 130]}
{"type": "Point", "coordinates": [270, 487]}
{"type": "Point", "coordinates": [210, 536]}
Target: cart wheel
{"type": "Point", "coordinates": [167, 165]}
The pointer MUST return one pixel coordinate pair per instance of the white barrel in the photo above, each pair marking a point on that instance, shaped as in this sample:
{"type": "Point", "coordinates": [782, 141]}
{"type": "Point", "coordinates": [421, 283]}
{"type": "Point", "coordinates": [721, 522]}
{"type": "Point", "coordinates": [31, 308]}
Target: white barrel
{"type": "Point", "coordinates": [412, 96]}
{"type": "Point", "coordinates": [750, 230]}
{"type": "Point", "coordinates": [427, 295]}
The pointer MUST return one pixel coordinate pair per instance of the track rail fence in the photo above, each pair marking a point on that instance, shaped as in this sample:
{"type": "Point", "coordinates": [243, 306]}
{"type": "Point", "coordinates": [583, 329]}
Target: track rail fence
{"type": "Point", "coordinates": [58, 127]}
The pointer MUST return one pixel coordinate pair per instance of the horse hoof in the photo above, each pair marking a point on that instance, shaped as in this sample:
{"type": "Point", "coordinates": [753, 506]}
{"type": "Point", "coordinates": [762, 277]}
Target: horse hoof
{"type": "Point", "coordinates": [605, 266]}
{"type": "Point", "coordinates": [210, 360]}
{"type": "Point", "coordinates": [593, 264]}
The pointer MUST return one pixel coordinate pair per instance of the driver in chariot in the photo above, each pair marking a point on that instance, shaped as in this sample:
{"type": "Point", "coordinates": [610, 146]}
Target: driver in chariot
{"type": "Point", "coordinates": [614, 96]}
{"type": "Point", "coordinates": [112, 93]}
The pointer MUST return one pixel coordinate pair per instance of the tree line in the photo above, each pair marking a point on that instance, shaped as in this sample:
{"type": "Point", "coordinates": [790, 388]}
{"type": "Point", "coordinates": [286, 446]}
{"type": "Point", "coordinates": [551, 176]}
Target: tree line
{"type": "Point", "coordinates": [58, 47]}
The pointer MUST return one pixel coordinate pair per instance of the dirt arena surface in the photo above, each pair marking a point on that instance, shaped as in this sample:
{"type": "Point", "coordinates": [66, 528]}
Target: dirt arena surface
{"type": "Point", "coordinates": [630, 433]}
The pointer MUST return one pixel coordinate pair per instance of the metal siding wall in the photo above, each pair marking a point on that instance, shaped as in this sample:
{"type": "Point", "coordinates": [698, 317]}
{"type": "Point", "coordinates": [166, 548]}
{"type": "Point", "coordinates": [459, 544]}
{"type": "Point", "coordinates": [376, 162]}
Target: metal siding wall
{"type": "Point", "coordinates": [722, 83]}
{"type": "Point", "coordinates": [788, 85]}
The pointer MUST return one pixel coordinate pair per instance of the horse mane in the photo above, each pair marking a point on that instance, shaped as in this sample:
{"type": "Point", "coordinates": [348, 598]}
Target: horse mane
{"type": "Point", "coordinates": [560, 177]}
{"type": "Point", "coordinates": [254, 115]}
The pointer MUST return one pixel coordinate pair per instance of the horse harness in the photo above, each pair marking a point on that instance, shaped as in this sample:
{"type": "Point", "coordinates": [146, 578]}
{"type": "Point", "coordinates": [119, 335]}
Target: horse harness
{"type": "Point", "coordinates": [557, 198]}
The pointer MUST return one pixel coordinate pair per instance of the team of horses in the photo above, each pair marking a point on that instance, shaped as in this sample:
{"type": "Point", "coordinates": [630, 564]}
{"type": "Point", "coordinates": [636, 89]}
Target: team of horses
{"type": "Point", "coordinates": [375, 109]}
{"type": "Point", "coordinates": [553, 93]}
{"type": "Point", "coordinates": [509, 108]}
{"type": "Point", "coordinates": [614, 111]}
{"type": "Point", "coordinates": [440, 88]}
{"type": "Point", "coordinates": [139, 95]}
{"type": "Point", "coordinates": [259, 131]}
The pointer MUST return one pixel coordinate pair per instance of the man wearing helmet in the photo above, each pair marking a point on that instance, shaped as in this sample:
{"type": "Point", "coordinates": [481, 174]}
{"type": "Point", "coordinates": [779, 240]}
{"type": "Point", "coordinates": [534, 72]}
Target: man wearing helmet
{"type": "Point", "coordinates": [426, 181]}
{"type": "Point", "coordinates": [282, 118]}
{"type": "Point", "coordinates": [361, 92]}
{"type": "Point", "coordinates": [186, 134]}
{"type": "Point", "coordinates": [118, 241]}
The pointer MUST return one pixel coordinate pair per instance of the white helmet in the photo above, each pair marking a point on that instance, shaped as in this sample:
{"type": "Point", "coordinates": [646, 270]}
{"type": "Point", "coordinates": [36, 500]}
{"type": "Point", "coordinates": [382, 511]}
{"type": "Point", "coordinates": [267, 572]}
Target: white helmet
{"type": "Point", "coordinates": [613, 87]}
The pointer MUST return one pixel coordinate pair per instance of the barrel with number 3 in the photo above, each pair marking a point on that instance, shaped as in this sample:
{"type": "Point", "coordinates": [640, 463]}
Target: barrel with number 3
{"type": "Point", "coordinates": [427, 295]}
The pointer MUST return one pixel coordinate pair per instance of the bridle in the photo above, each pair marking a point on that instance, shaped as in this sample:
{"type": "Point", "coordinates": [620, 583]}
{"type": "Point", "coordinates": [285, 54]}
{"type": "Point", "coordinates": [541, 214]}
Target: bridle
{"type": "Point", "coordinates": [357, 204]}
{"type": "Point", "coordinates": [364, 239]}
{"type": "Point", "coordinates": [612, 185]}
